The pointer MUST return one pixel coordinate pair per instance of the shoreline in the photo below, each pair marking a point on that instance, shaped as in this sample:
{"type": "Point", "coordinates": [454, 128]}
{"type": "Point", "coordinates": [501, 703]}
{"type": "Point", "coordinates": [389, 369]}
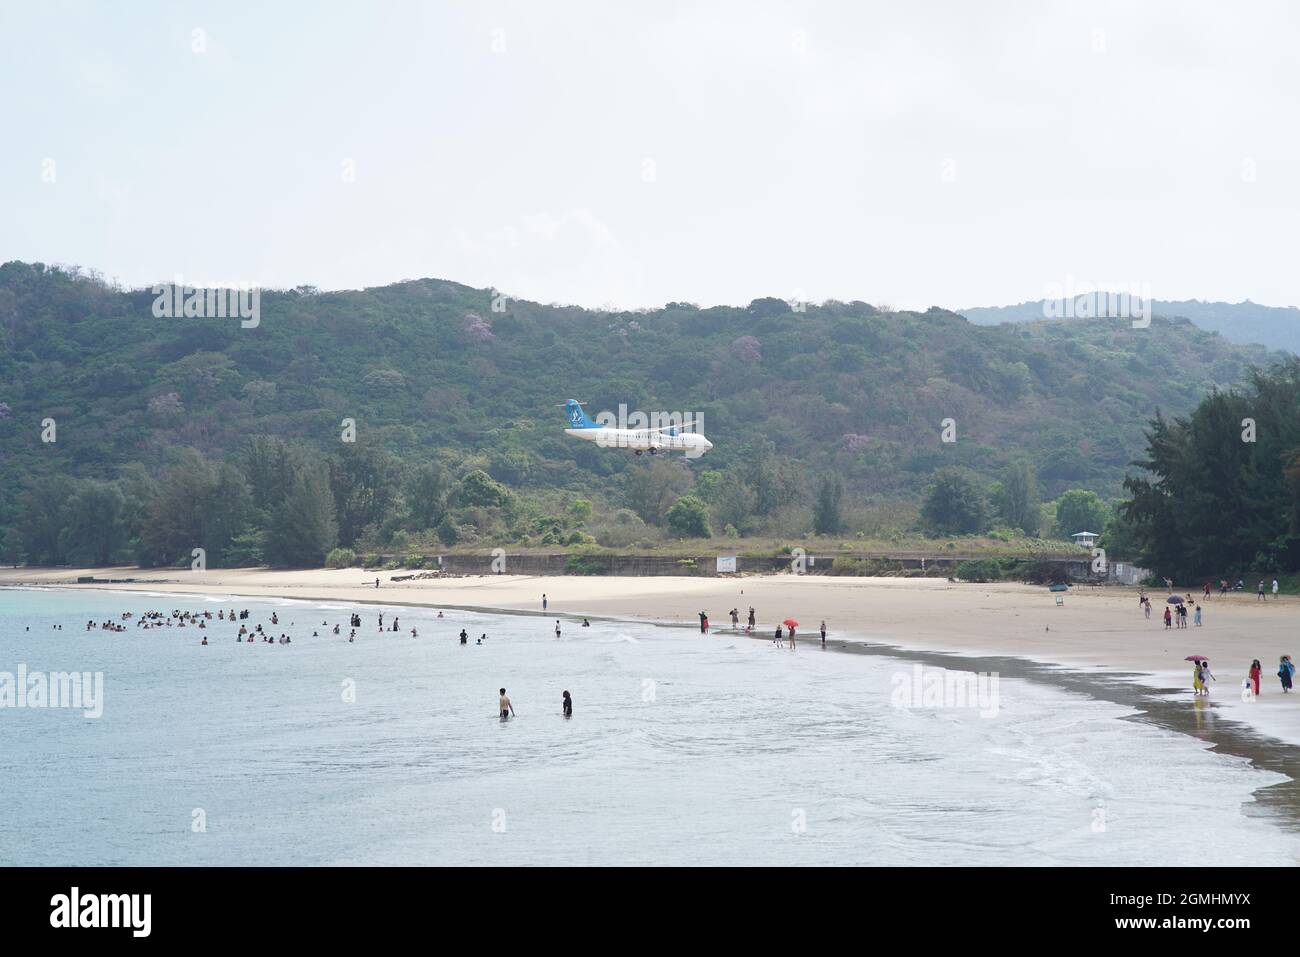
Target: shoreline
{"type": "Point", "coordinates": [1096, 644]}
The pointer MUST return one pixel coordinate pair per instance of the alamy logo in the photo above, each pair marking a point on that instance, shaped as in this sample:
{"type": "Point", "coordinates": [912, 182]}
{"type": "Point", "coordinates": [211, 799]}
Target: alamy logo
{"type": "Point", "coordinates": [1074, 299]}
{"type": "Point", "coordinates": [102, 910]}
{"type": "Point", "coordinates": [623, 419]}
{"type": "Point", "coordinates": [241, 301]}
{"type": "Point", "coordinates": [944, 688]}
{"type": "Point", "coordinates": [55, 689]}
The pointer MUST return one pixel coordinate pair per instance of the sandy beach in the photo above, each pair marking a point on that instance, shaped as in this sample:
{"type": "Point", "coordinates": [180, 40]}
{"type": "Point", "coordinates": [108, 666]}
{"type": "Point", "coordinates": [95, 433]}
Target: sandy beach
{"type": "Point", "coordinates": [1095, 630]}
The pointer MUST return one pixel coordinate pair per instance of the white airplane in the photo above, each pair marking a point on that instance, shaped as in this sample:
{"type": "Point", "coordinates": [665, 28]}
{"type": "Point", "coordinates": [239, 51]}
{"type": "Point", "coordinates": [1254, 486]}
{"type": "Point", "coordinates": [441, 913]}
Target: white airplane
{"type": "Point", "coordinates": [668, 438]}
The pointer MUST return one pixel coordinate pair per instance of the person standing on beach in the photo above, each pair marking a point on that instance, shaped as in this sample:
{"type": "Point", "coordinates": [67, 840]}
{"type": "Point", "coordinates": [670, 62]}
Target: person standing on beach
{"type": "Point", "coordinates": [1206, 675]}
{"type": "Point", "coordinates": [1169, 619]}
{"type": "Point", "coordinates": [1254, 676]}
{"type": "Point", "coordinates": [704, 623]}
{"type": "Point", "coordinates": [751, 616]}
{"type": "Point", "coordinates": [792, 636]}
{"type": "Point", "coordinates": [823, 632]}
{"type": "Point", "coordinates": [557, 628]}
{"type": "Point", "coordinates": [780, 636]}
{"type": "Point", "coordinates": [1260, 596]}
{"type": "Point", "coordinates": [376, 582]}
{"type": "Point", "coordinates": [1285, 671]}
{"type": "Point", "coordinates": [1274, 587]}
{"type": "Point", "coordinates": [735, 618]}
{"type": "Point", "coordinates": [543, 601]}
{"type": "Point", "coordinates": [507, 709]}
{"type": "Point", "coordinates": [1146, 606]}
{"type": "Point", "coordinates": [1198, 616]}
{"type": "Point", "coordinates": [1197, 684]}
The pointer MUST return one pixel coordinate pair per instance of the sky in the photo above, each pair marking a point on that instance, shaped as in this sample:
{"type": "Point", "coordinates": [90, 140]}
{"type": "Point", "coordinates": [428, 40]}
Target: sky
{"type": "Point", "coordinates": [629, 154]}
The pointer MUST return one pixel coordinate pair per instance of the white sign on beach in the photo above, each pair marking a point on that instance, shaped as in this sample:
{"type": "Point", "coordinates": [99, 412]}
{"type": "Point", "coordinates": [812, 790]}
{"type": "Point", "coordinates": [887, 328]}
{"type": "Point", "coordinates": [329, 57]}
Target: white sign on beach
{"type": "Point", "coordinates": [726, 563]}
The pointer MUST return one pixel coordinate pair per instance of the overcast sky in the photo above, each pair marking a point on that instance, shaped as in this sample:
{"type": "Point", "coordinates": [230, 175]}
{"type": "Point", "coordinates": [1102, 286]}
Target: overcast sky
{"type": "Point", "coordinates": [911, 153]}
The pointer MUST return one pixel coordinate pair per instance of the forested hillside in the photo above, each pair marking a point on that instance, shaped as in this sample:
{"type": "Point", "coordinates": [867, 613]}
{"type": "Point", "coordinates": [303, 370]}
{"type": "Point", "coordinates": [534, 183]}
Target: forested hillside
{"type": "Point", "coordinates": [1277, 327]}
{"type": "Point", "coordinates": [163, 415]}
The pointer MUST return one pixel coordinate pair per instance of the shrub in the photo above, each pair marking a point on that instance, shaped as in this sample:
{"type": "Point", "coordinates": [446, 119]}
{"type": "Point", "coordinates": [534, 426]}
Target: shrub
{"type": "Point", "coordinates": [341, 558]}
{"type": "Point", "coordinates": [981, 570]}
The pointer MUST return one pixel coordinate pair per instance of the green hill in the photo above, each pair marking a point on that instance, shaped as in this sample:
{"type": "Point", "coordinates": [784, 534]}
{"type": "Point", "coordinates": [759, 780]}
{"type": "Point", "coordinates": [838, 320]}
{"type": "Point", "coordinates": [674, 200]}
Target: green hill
{"type": "Point", "coordinates": [432, 374]}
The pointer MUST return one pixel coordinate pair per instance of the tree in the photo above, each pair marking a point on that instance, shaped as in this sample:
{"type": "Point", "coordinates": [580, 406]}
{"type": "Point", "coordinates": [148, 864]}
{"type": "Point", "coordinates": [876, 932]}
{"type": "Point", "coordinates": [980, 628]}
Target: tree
{"type": "Point", "coordinates": [95, 531]}
{"type": "Point", "coordinates": [1079, 510]}
{"type": "Point", "coordinates": [364, 480]}
{"type": "Point", "coordinates": [652, 489]}
{"type": "Point", "coordinates": [303, 527]}
{"type": "Point", "coordinates": [827, 517]}
{"type": "Point", "coordinates": [1017, 497]}
{"type": "Point", "coordinates": [733, 502]}
{"type": "Point", "coordinates": [426, 495]}
{"type": "Point", "coordinates": [954, 504]}
{"type": "Point", "coordinates": [689, 518]}
{"type": "Point", "coordinates": [480, 490]}
{"type": "Point", "coordinates": [43, 512]}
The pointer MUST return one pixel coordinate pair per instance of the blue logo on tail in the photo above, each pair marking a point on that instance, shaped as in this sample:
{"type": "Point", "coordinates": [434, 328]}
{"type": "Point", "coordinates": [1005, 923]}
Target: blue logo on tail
{"type": "Point", "coordinates": [578, 418]}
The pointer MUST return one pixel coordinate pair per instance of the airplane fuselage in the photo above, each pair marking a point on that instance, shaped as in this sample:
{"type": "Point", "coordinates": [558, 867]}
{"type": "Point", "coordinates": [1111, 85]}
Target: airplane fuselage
{"type": "Point", "coordinates": [645, 440]}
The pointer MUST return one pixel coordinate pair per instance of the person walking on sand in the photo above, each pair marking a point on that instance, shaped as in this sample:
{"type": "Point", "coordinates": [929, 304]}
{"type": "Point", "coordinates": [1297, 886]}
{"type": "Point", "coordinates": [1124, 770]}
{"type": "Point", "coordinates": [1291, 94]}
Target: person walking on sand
{"type": "Point", "coordinates": [823, 632]}
{"type": "Point", "coordinates": [1254, 676]}
{"type": "Point", "coordinates": [1285, 671]}
{"type": "Point", "coordinates": [1169, 619]}
{"type": "Point", "coordinates": [1198, 616]}
{"type": "Point", "coordinates": [1275, 588]}
{"type": "Point", "coordinates": [1197, 684]}
{"type": "Point", "coordinates": [1206, 675]}
{"type": "Point", "coordinates": [507, 709]}
{"type": "Point", "coordinates": [1260, 596]}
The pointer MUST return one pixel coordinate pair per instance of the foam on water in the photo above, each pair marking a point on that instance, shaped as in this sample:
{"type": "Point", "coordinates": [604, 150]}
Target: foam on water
{"type": "Point", "coordinates": [682, 750]}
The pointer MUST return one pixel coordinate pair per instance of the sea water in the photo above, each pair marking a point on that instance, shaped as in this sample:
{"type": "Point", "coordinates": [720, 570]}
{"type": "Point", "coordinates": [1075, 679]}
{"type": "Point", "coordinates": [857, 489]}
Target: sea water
{"type": "Point", "coordinates": [682, 749]}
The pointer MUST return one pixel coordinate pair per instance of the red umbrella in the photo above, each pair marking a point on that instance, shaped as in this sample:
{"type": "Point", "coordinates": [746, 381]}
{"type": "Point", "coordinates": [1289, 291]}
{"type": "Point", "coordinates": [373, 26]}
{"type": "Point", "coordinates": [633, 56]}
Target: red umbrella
{"type": "Point", "coordinates": [790, 623]}
{"type": "Point", "coordinates": [1196, 658]}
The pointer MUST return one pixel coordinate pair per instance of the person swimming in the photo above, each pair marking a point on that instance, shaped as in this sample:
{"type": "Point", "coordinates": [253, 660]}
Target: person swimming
{"type": "Point", "coordinates": [568, 705]}
{"type": "Point", "coordinates": [507, 709]}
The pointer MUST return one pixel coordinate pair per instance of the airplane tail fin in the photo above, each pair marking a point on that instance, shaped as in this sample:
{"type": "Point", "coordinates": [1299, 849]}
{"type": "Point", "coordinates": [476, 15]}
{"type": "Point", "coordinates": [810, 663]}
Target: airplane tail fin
{"type": "Point", "coordinates": [577, 417]}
